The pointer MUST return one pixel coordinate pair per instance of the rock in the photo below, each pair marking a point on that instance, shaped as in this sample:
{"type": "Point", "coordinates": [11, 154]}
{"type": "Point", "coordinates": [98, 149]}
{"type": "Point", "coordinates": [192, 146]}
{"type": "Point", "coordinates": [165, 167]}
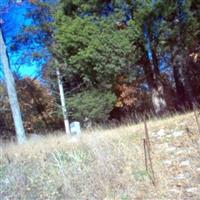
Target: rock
{"type": "Point", "coordinates": [185, 163]}
{"type": "Point", "coordinates": [174, 190]}
{"type": "Point", "coordinates": [169, 136]}
{"type": "Point", "coordinates": [198, 169]}
{"type": "Point", "coordinates": [163, 146]}
{"type": "Point", "coordinates": [180, 152]}
{"type": "Point", "coordinates": [171, 149]}
{"type": "Point", "coordinates": [177, 133]}
{"type": "Point", "coordinates": [161, 133]}
{"type": "Point", "coordinates": [6, 181]}
{"type": "Point", "coordinates": [192, 189]}
{"type": "Point", "coordinates": [183, 123]}
{"type": "Point", "coordinates": [167, 162]}
{"type": "Point", "coordinates": [180, 176]}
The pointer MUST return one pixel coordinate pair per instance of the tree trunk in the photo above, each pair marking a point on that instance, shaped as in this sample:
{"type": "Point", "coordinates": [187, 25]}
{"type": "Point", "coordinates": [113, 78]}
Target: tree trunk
{"type": "Point", "coordinates": [12, 94]}
{"type": "Point", "coordinates": [158, 99]}
{"type": "Point", "coordinates": [62, 99]}
{"type": "Point", "coordinates": [157, 88]}
{"type": "Point", "coordinates": [180, 90]}
{"type": "Point", "coordinates": [152, 74]}
{"type": "Point", "coordinates": [181, 76]}
{"type": "Point", "coordinates": [187, 83]}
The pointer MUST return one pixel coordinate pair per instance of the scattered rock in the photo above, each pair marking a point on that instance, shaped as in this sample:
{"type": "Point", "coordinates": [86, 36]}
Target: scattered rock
{"type": "Point", "coordinates": [6, 181]}
{"type": "Point", "coordinates": [180, 176]}
{"type": "Point", "coordinates": [167, 162]}
{"type": "Point", "coordinates": [161, 133]}
{"type": "Point", "coordinates": [177, 158]}
{"type": "Point", "coordinates": [169, 136]}
{"type": "Point", "coordinates": [192, 189]}
{"type": "Point", "coordinates": [177, 133]}
{"type": "Point", "coordinates": [198, 169]}
{"type": "Point", "coordinates": [180, 152]}
{"type": "Point", "coordinates": [171, 149]}
{"type": "Point", "coordinates": [185, 163]}
{"type": "Point", "coordinates": [174, 190]}
{"type": "Point", "coordinates": [163, 146]}
{"type": "Point", "coordinates": [183, 123]}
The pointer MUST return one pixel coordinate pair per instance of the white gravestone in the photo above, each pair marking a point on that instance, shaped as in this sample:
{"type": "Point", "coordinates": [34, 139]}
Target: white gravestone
{"type": "Point", "coordinates": [75, 128]}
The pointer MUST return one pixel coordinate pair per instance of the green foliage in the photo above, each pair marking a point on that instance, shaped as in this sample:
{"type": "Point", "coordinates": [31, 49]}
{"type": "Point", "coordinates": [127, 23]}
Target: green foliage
{"type": "Point", "coordinates": [141, 175]}
{"type": "Point", "coordinates": [97, 52]}
{"type": "Point", "coordinates": [2, 171]}
{"type": "Point", "coordinates": [74, 34]}
{"type": "Point", "coordinates": [72, 7]}
{"type": "Point", "coordinates": [106, 56]}
{"type": "Point", "coordinates": [92, 50]}
{"type": "Point", "coordinates": [76, 158]}
{"type": "Point", "coordinates": [93, 104]}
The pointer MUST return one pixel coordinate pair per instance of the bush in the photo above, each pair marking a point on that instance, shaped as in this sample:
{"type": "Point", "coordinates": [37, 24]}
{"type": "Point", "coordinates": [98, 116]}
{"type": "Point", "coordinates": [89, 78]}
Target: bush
{"type": "Point", "coordinates": [38, 107]}
{"type": "Point", "coordinates": [93, 104]}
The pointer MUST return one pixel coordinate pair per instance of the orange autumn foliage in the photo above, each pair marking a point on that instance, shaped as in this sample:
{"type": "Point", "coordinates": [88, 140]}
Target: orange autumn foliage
{"type": "Point", "coordinates": [33, 1]}
{"type": "Point", "coordinates": [127, 94]}
{"type": "Point", "coordinates": [132, 98]}
{"type": "Point", "coordinates": [38, 106]}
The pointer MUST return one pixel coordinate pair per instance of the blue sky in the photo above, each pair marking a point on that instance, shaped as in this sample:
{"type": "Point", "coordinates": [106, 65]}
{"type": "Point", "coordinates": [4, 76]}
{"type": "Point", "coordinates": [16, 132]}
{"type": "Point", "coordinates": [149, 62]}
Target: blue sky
{"type": "Point", "coordinates": [14, 17]}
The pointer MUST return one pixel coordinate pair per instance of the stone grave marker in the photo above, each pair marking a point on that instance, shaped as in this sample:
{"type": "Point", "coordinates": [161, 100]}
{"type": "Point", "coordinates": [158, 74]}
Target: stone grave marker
{"type": "Point", "coordinates": [75, 128]}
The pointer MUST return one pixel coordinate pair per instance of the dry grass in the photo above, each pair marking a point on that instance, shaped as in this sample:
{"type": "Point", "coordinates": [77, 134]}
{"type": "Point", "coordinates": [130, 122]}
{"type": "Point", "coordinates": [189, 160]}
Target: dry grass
{"type": "Point", "coordinates": [101, 165]}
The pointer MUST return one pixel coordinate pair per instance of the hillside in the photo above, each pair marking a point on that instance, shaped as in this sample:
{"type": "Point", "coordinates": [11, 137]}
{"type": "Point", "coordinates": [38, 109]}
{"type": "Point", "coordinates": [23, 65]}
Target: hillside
{"type": "Point", "coordinates": [106, 164]}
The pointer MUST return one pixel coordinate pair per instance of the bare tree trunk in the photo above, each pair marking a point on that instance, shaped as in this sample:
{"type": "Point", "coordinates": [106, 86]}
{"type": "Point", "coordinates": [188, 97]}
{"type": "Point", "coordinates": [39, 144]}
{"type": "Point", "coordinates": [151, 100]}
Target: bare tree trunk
{"type": "Point", "coordinates": [12, 94]}
{"type": "Point", "coordinates": [62, 99]}
{"type": "Point", "coordinates": [158, 98]}
{"type": "Point", "coordinates": [182, 76]}
{"type": "Point", "coordinates": [180, 90]}
{"type": "Point", "coordinates": [152, 73]}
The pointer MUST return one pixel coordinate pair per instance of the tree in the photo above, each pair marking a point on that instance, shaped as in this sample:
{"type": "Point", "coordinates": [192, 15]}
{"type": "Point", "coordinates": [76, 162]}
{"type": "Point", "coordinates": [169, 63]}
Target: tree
{"type": "Point", "coordinates": [179, 38]}
{"type": "Point", "coordinates": [93, 104]}
{"type": "Point", "coordinates": [101, 40]}
{"type": "Point", "coordinates": [99, 57]}
{"type": "Point", "coordinates": [95, 49]}
{"type": "Point", "coordinates": [39, 37]}
{"type": "Point", "coordinates": [10, 84]}
{"type": "Point", "coordinates": [93, 43]}
{"type": "Point", "coordinates": [146, 19]}
{"type": "Point", "coordinates": [38, 105]}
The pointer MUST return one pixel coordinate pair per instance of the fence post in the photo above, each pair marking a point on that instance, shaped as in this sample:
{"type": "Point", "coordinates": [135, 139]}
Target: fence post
{"type": "Point", "coordinates": [147, 154]}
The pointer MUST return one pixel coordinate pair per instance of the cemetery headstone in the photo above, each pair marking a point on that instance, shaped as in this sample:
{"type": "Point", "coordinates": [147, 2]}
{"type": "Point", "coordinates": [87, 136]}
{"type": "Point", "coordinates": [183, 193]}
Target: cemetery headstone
{"type": "Point", "coordinates": [75, 128]}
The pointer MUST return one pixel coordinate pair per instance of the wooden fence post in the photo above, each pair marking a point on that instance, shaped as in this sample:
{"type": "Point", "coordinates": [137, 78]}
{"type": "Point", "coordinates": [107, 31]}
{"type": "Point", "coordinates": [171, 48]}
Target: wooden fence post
{"type": "Point", "coordinates": [147, 153]}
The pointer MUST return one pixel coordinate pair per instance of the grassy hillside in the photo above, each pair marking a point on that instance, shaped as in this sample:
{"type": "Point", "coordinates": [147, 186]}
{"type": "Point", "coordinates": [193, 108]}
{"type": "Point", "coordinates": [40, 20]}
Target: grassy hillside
{"type": "Point", "coordinates": [106, 164]}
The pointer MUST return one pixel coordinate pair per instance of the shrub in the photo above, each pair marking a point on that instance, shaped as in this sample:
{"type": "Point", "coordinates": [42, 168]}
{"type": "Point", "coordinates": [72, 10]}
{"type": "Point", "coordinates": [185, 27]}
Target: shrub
{"type": "Point", "coordinates": [93, 104]}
